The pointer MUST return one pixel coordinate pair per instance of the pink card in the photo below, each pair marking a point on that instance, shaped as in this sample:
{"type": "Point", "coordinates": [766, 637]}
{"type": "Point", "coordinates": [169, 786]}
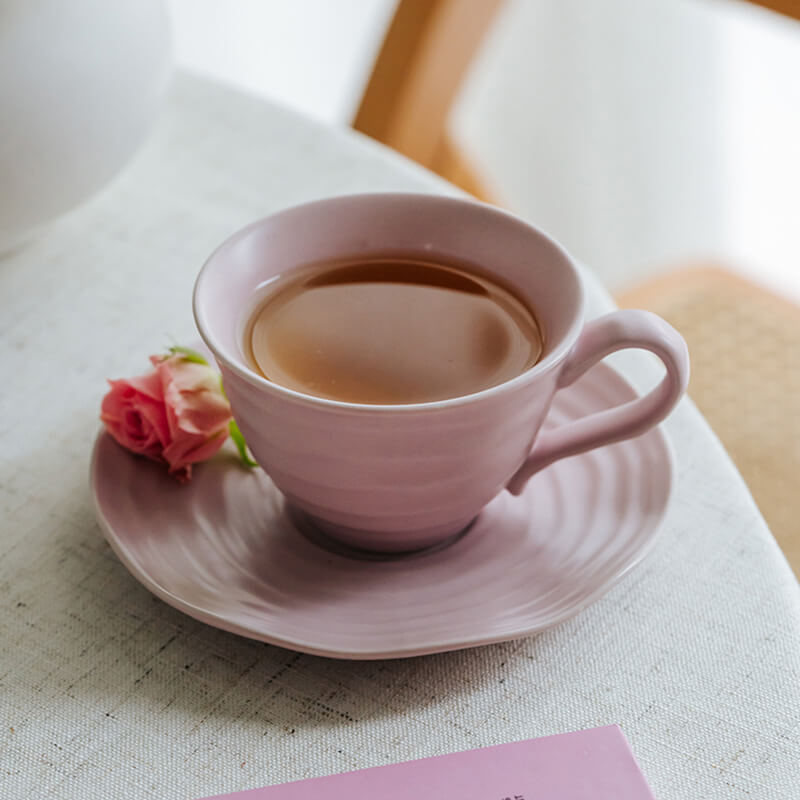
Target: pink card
{"type": "Point", "coordinates": [595, 764]}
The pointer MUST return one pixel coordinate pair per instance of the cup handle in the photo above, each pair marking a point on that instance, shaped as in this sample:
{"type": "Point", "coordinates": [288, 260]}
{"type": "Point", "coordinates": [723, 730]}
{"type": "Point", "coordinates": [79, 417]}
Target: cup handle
{"type": "Point", "coordinates": [601, 337]}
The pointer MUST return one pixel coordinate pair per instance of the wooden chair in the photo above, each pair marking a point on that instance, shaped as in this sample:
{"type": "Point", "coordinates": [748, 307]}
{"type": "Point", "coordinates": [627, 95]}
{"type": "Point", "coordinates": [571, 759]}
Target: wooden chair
{"type": "Point", "coordinates": [743, 341]}
{"type": "Point", "coordinates": [419, 70]}
{"type": "Point", "coordinates": [789, 8]}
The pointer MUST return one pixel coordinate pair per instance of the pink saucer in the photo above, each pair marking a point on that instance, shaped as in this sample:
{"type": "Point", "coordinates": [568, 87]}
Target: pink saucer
{"type": "Point", "coordinates": [224, 550]}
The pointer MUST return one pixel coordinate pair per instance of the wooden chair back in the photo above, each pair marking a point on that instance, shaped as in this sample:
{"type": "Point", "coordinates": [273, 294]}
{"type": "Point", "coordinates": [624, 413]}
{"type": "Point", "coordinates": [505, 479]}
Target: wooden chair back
{"type": "Point", "coordinates": [420, 68]}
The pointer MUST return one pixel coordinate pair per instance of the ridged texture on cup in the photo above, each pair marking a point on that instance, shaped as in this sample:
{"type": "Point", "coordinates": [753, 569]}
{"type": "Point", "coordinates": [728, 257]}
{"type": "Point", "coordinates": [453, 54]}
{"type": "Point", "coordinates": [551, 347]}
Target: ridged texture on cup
{"type": "Point", "coordinates": [388, 480]}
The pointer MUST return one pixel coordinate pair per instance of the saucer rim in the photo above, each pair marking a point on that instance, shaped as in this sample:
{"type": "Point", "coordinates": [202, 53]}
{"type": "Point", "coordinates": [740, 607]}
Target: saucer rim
{"type": "Point", "coordinates": [216, 620]}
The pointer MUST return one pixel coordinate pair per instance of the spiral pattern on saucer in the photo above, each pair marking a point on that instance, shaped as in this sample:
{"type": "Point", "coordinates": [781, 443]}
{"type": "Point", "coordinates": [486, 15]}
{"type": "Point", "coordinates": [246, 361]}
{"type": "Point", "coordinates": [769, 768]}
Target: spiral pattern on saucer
{"type": "Point", "coordinates": [226, 551]}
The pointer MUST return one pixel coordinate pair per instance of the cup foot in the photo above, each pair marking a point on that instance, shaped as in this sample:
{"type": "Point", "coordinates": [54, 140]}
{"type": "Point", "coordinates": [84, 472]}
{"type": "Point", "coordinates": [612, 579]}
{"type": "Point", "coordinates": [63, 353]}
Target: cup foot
{"type": "Point", "coordinates": [351, 543]}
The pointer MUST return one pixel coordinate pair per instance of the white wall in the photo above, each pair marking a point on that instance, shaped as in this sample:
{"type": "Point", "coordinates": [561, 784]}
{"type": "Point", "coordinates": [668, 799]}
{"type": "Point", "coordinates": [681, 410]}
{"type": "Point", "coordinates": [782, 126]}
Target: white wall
{"type": "Point", "coordinates": [762, 123]}
{"type": "Point", "coordinates": [601, 121]}
{"type": "Point", "coordinates": [312, 55]}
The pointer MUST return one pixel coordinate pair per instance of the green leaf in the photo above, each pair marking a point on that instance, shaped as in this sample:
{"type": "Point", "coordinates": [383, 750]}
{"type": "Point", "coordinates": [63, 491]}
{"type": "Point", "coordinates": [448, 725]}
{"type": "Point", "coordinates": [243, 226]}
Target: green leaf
{"type": "Point", "coordinates": [188, 354]}
{"type": "Point", "coordinates": [241, 445]}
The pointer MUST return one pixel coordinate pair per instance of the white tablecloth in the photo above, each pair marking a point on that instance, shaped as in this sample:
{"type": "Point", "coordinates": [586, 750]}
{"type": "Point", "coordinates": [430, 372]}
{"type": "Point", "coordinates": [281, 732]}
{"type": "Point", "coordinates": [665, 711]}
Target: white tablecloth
{"type": "Point", "coordinates": [107, 692]}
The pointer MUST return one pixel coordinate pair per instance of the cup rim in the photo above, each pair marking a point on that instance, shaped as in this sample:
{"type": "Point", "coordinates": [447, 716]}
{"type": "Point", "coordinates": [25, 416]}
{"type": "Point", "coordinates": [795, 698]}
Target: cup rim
{"type": "Point", "coordinates": [550, 361]}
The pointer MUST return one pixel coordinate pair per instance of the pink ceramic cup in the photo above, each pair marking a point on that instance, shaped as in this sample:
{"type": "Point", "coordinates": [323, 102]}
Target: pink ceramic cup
{"type": "Point", "coordinates": [401, 477]}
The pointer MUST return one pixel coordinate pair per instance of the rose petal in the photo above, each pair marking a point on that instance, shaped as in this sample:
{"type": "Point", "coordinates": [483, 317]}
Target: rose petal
{"type": "Point", "coordinates": [177, 413]}
{"type": "Point", "coordinates": [148, 385]}
{"type": "Point", "coordinates": [185, 451]}
{"type": "Point", "coordinates": [197, 411]}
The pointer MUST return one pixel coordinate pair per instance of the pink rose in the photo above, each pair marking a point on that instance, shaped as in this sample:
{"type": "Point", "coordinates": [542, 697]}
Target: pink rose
{"type": "Point", "coordinates": [176, 413]}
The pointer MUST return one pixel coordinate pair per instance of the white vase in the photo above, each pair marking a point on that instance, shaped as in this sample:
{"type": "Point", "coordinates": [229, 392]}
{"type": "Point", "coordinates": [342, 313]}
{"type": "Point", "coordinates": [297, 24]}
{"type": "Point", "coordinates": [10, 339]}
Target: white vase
{"type": "Point", "coordinates": [81, 81]}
